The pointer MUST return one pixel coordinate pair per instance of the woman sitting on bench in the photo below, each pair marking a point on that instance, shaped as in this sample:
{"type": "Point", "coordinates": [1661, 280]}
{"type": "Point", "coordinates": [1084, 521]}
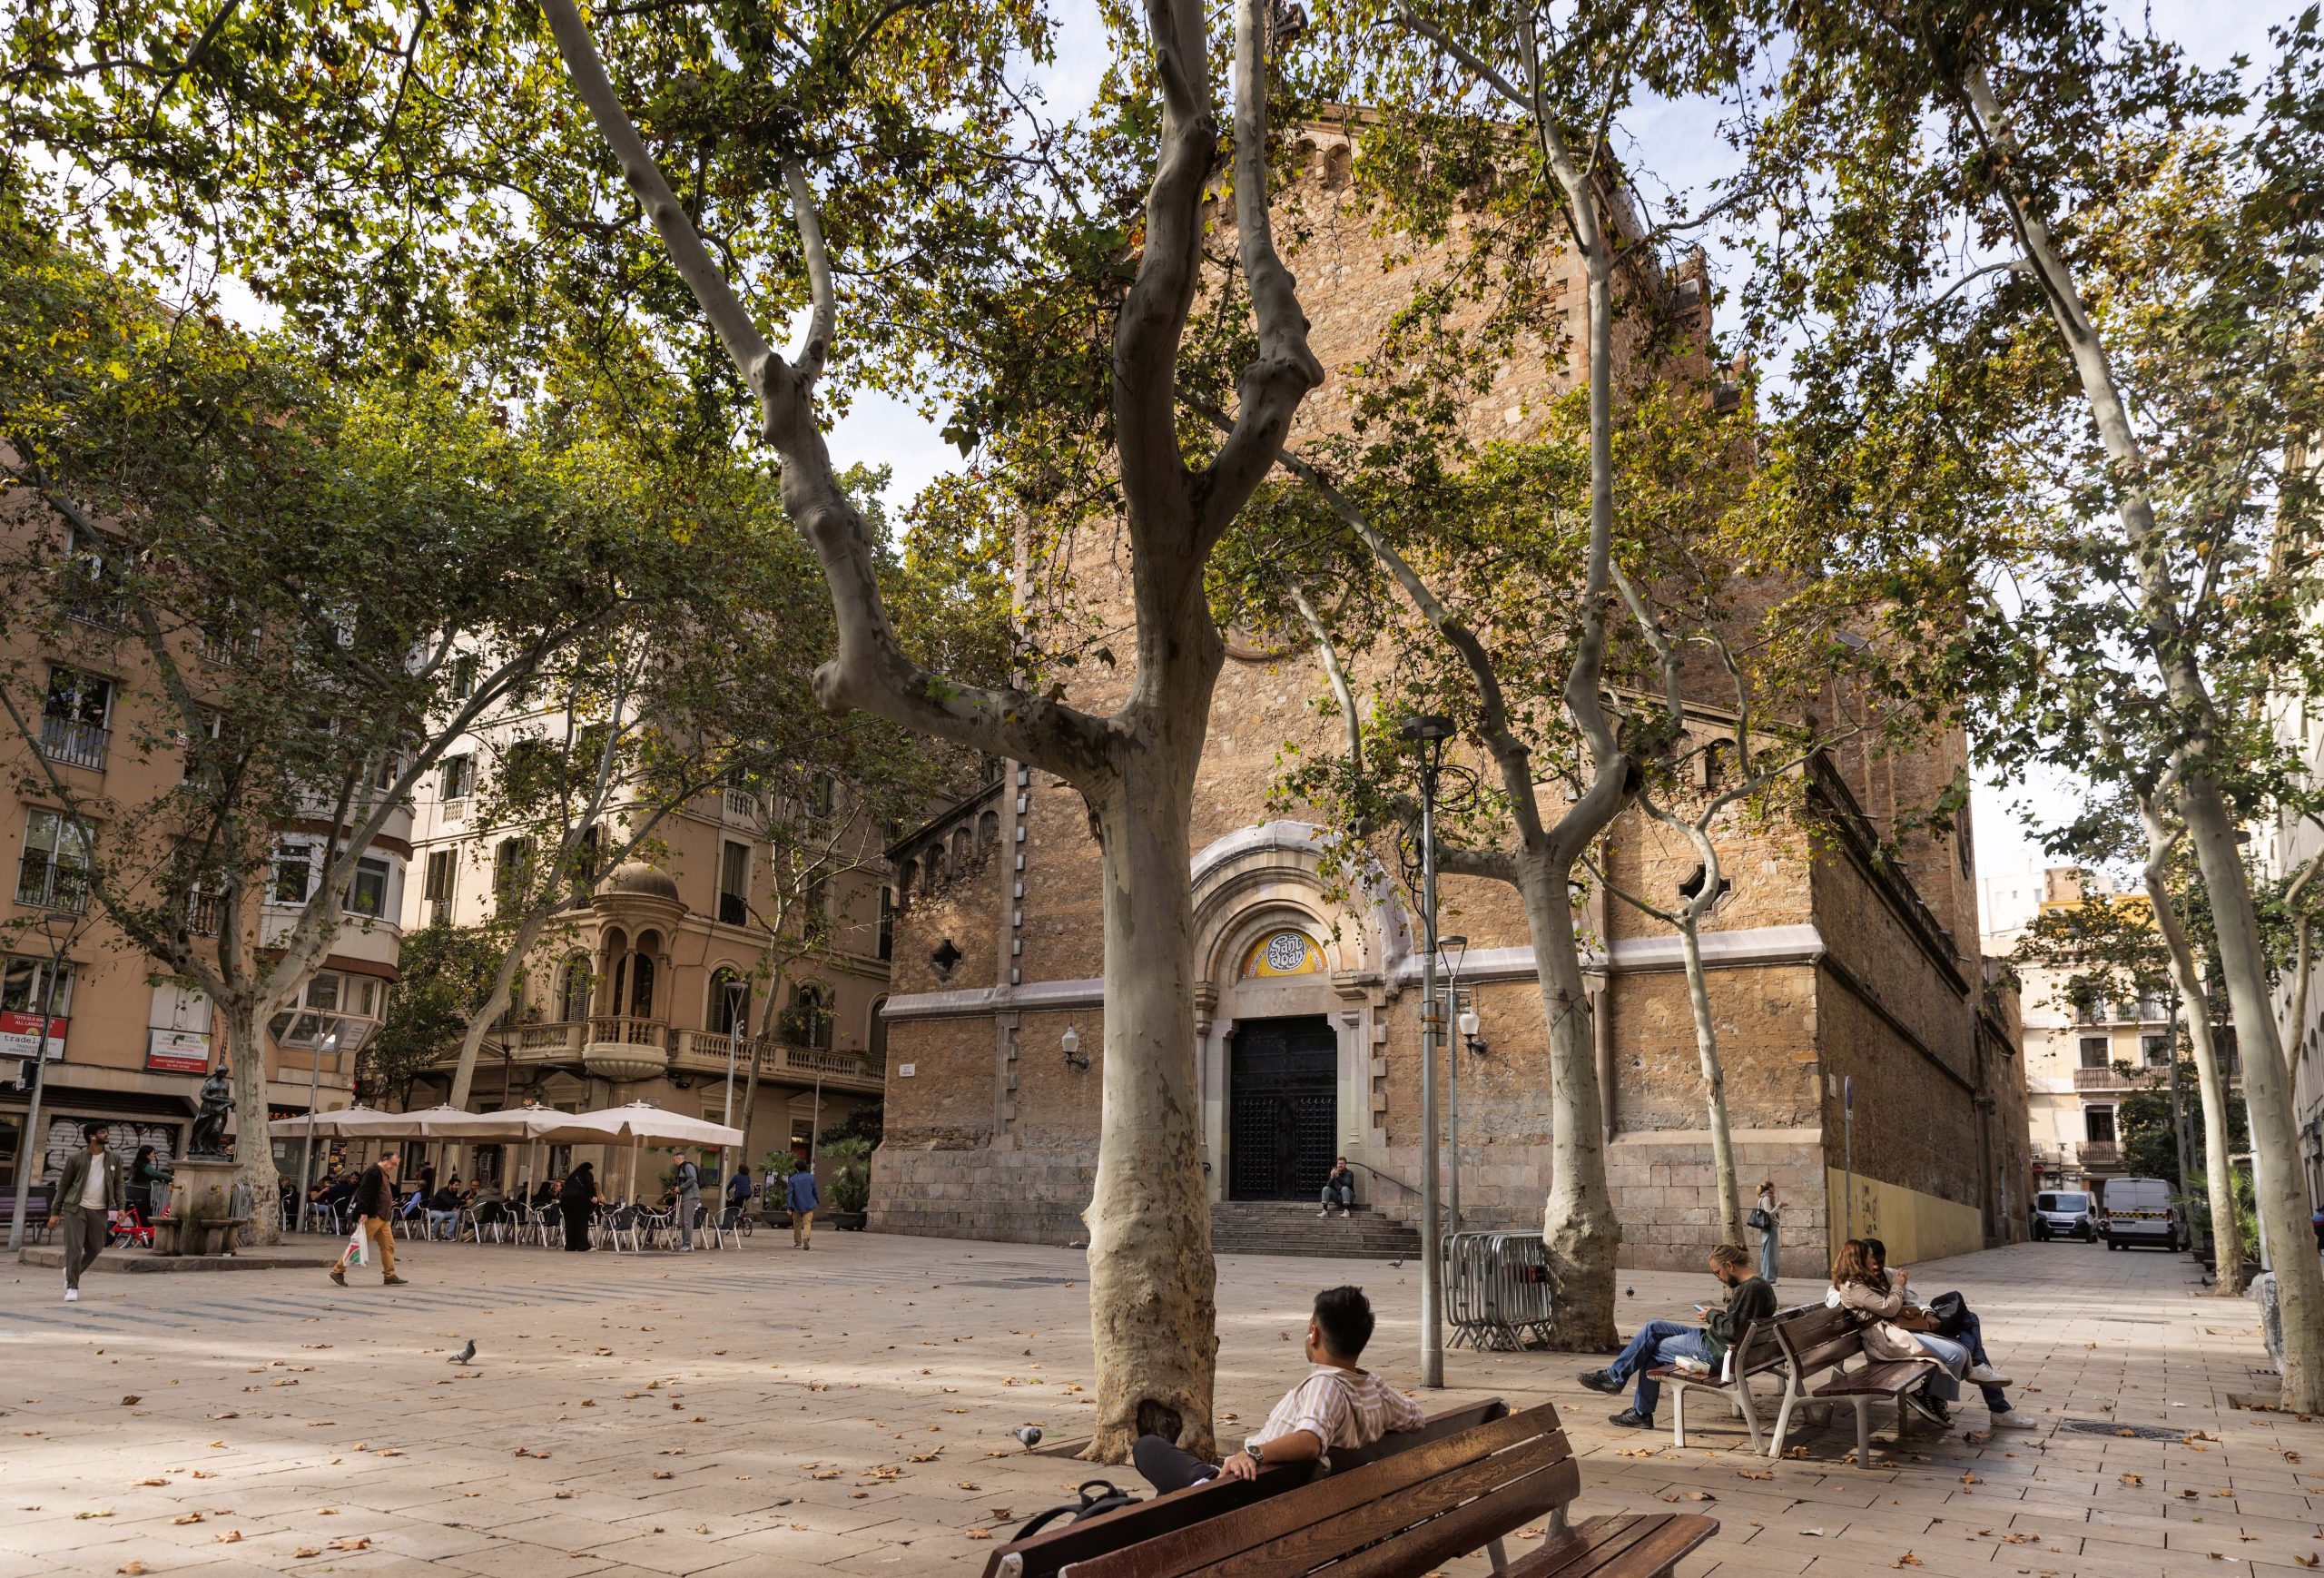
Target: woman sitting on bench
{"type": "Point", "coordinates": [1338, 1404]}
{"type": "Point", "coordinates": [1893, 1330]}
{"type": "Point", "coordinates": [1970, 1332]}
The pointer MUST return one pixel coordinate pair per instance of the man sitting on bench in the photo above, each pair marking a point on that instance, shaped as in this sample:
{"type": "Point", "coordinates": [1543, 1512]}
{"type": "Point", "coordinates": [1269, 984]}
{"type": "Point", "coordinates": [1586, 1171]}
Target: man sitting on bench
{"type": "Point", "coordinates": [1970, 1334]}
{"type": "Point", "coordinates": [1667, 1342]}
{"type": "Point", "coordinates": [1338, 1404]}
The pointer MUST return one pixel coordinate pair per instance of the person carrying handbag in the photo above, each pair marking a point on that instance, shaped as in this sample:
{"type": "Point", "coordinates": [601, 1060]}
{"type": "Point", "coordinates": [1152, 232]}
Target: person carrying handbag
{"type": "Point", "coordinates": [1765, 1217]}
{"type": "Point", "coordinates": [374, 1206]}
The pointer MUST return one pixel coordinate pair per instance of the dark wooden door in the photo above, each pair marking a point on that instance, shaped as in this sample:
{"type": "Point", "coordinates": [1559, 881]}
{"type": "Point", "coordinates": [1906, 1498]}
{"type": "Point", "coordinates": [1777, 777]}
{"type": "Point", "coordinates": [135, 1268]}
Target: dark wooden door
{"type": "Point", "coordinates": [1282, 1104]}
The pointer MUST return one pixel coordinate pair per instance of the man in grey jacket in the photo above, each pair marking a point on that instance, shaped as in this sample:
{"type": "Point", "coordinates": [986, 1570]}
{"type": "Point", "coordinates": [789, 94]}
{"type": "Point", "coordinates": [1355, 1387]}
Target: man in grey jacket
{"type": "Point", "coordinates": [688, 1189]}
{"type": "Point", "coordinates": [88, 1192]}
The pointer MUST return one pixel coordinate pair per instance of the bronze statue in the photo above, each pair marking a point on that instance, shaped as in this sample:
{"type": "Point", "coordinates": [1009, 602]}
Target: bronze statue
{"type": "Point", "coordinates": [208, 1137]}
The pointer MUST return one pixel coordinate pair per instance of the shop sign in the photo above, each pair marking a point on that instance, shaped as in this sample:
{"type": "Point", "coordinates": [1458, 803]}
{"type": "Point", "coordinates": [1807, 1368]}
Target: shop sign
{"type": "Point", "coordinates": [20, 1036]}
{"type": "Point", "coordinates": [178, 1052]}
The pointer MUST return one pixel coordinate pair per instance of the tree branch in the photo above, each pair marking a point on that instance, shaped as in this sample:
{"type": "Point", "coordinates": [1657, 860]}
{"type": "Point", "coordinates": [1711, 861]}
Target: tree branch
{"type": "Point", "coordinates": [1341, 691]}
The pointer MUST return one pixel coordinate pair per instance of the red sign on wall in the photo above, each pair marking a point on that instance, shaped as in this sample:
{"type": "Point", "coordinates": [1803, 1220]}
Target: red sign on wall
{"type": "Point", "coordinates": [20, 1036]}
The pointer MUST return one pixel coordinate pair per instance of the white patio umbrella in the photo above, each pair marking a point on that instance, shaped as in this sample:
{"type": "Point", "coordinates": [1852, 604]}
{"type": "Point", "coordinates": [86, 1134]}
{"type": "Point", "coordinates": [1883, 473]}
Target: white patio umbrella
{"type": "Point", "coordinates": [640, 1122]}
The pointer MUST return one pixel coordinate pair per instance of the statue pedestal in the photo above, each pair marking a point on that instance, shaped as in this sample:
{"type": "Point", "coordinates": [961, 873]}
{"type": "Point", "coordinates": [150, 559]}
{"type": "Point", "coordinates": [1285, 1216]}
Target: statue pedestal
{"type": "Point", "coordinates": [202, 1189]}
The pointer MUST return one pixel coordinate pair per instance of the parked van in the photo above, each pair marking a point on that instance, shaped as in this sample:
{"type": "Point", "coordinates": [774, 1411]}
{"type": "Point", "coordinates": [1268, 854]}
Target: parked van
{"type": "Point", "coordinates": [2137, 1210]}
{"type": "Point", "coordinates": [2064, 1214]}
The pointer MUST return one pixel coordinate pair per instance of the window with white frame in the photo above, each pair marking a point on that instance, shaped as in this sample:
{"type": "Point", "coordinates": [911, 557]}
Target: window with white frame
{"type": "Point", "coordinates": [2094, 1051]}
{"type": "Point", "coordinates": [367, 893]}
{"type": "Point", "coordinates": [456, 778]}
{"type": "Point", "coordinates": [441, 870]}
{"type": "Point", "coordinates": [295, 873]}
{"type": "Point", "coordinates": [55, 872]}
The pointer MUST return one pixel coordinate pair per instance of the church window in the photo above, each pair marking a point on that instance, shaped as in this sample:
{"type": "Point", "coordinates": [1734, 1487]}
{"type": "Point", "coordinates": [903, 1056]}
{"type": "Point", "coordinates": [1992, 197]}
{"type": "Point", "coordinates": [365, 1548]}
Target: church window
{"type": "Point", "coordinates": [1283, 953]}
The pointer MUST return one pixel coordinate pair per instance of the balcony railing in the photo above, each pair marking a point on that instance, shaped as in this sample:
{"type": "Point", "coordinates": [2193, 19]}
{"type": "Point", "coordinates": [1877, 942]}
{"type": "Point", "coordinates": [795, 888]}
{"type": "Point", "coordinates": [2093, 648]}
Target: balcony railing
{"type": "Point", "coordinates": [2106, 1078]}
{"type": "Point", "coordinates": [202, 914]}
{"type": "Point", "coordinates": [740, 806]}
{"type": "Point", "coordinates": [2099, 1153]}
{"type": "Point", "coordinates": [52, 886]}
{"type": "Point", "coordinates": [733, 909]}
{"type": "Point", "coordinates": [74, 743]}
{"type": "Point", "coordinates": [631, 1030]}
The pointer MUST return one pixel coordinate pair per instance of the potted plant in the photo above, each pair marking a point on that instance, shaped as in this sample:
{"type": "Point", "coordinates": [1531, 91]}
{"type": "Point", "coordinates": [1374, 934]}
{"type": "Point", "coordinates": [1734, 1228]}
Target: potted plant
{"type": "Point", "coordinates": [774, 1172]}
{"type": "Point", "coordinates": [850, 1181]}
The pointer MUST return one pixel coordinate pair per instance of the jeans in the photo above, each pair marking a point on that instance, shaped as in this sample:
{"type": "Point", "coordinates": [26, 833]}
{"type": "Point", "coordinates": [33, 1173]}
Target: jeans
{"type": "Point", "coordinates": [1340, 1195]}
{"type": "Point", "coordinates": [1658, 1342]}
{"type": "Point", "coordinates": [1767, 1256]}
{"type": "Point", "coordinates": [1953, 1355]}
{"type": "Point", "coordinates": [1972, 1337]}
{"type": "Point", "coordinates": [1168, 1466]}
{"type": "Point", "coordinates": [447, 1219]}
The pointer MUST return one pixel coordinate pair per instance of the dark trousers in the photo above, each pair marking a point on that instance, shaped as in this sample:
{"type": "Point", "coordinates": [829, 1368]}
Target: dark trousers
{"type": "Point", "coordinates": [83, 1233]}
{"type": "Point", "coordinates": [1167, 1466]}
{"type": "Point", "coordinates": [577, 1226]}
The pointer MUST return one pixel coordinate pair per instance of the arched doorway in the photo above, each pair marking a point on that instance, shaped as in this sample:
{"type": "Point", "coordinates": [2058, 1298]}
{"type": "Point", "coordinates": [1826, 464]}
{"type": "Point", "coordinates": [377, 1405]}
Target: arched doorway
{"type": "Point", "coordinates": [1283, 1107]}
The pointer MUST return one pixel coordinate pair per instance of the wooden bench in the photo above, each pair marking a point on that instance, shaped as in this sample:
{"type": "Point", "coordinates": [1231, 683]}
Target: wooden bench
{"type": "Point", "coordinates": [1817, 1340]}
{"type": "Point", "coordinates": [1758, 1354]}
{"type": "Point", "coordinates": [1045, 1553]}
{"type": "Point", "coordinates": [1403, 1515]}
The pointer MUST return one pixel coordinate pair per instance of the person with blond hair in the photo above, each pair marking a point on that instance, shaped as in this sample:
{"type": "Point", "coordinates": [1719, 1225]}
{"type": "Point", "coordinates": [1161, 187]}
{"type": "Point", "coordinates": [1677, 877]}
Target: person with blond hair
{"type": "Point", "coordinates": [1670, 1342]}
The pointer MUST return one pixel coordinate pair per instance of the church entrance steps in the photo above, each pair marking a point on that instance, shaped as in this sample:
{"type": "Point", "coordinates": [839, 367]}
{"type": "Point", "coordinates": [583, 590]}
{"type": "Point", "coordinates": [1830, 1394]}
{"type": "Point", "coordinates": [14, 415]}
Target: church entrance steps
{"type": "Point", "coordinates": [1292, 1227]}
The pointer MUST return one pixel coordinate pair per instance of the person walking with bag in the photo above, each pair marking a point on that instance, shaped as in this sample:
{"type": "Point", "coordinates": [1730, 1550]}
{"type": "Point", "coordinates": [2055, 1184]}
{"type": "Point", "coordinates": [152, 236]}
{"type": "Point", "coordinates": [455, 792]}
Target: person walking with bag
{"type": "Point", "coordinates": [1767, 1215]}
{"type": "Point", "coordinates": [374, 1204]}
{"type": "Point", "coordinates": [802, 1196]}
{"type": "Point", "coordinates": [88, 1192]}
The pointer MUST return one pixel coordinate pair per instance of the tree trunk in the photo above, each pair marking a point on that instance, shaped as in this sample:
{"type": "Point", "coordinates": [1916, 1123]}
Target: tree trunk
{"type": "Point", "coordinates": [2275, 1140]}
{"type": "Point", "coordinates": [1722, 1145]}
{"type": "Point", "coordinates": [1153, 1308]}
{"type": "Point", "coordinates": [254, 1146]}
{"type": "Point", "coordinates": [1577, 1224]}
{"type": "Point", "coordinates": [2219, 1172]}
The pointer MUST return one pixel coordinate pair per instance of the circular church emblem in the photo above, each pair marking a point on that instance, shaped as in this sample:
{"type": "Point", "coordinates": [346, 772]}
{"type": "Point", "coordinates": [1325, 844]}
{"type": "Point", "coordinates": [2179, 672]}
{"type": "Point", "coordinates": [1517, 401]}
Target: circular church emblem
{"type": "Point", "coordinates": [1286, 951]}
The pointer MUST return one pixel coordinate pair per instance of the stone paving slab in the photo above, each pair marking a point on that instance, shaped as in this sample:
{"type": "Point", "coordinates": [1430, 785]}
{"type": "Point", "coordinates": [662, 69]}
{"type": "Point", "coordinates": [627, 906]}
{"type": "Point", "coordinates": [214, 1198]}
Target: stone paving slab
{"type": "Point", "coordinates": [758, 1410]}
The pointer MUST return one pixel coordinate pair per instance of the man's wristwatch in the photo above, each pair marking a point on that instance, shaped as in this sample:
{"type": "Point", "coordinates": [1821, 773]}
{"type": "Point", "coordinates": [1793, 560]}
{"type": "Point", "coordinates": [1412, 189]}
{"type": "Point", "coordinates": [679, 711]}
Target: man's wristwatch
{"type": "Point", "coordinates": [1256, 1451]}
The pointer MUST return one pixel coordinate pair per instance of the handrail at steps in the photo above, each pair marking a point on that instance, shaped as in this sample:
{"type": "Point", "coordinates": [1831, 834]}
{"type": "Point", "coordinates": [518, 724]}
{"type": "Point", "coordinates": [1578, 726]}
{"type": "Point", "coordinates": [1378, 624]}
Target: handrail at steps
{"type": "Point", "coordinates": [1391, 1177]}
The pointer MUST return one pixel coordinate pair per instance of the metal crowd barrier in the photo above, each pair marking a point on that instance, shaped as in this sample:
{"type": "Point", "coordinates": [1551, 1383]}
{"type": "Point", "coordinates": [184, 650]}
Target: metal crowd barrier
{"type": "Point", "coordinates": [1497, 1290]}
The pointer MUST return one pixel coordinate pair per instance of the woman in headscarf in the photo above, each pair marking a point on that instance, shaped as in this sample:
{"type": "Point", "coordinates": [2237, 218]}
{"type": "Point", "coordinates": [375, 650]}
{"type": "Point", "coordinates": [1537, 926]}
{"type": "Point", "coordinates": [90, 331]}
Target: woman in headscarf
{"type": "Point", "coordinates": [576, 1203]}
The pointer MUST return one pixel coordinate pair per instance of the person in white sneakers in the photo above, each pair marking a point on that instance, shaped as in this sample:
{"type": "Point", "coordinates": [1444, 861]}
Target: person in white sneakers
{"type": "Point", "coordinates": [89, 1191]}
{"type": "Point", "coordinates": [1969, 1333]}
{"type": "Point", "coordinates": [1339, 1189]}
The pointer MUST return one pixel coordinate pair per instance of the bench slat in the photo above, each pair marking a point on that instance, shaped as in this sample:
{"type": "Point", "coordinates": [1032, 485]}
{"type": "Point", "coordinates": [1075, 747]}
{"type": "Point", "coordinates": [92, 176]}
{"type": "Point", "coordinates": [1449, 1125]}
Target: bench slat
{"type": "Point", "coordinates": [1502, 1507]}
{"type": "Point", "coordinates": [1883, 1379]}
{"type": "Point", "coordinates": [1217, 1539]}
{"type": "Point", "coordinates": [1045, 1553]}
{"type": "Point", "coordinates": [1618, 1547]}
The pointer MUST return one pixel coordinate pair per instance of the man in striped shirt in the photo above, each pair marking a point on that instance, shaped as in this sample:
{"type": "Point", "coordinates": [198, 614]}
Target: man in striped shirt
{"type": "Point", "coordinates": [1339, 1405]}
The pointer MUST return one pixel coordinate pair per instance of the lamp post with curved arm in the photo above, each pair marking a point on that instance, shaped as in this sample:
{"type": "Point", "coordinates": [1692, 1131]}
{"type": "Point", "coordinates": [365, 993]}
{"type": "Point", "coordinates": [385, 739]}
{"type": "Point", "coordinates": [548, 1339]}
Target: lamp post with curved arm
{"type": "Point", "coordinates": [1429, 732]}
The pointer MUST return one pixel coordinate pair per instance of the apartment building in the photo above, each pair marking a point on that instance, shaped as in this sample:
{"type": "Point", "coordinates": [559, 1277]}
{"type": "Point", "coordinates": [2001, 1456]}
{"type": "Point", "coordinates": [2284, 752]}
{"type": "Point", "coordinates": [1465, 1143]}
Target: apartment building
{"type": "Point", "coordinates": [2084, 1053]}
{"type": "Point", "coordinates": [657, 987]}
{"type": "Point", "coordinates": [120, 1044]}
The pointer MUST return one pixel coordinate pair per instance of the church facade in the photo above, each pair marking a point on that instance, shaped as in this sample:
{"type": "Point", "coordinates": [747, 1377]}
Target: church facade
{"type": "Point", "coordinates": [1872, 1067]}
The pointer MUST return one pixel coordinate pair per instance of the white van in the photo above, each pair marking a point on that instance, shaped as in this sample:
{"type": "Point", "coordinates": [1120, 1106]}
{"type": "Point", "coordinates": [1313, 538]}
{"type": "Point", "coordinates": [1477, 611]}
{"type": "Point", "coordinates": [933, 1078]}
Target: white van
{"type": "Point", "coordinates": [2064, 1214]}
{"type": "Point", "coordinates": [2137, 1210]}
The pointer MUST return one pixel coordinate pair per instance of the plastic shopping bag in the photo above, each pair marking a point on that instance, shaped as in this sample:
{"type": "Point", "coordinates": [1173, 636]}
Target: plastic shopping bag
{"type": "Point", "coordinates": [358, 1248]}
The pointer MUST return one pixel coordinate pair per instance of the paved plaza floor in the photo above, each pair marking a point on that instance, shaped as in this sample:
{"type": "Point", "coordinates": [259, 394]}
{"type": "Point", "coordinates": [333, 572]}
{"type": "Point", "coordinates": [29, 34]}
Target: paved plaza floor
{"type": "Point", "coordinates": [764, 1411]}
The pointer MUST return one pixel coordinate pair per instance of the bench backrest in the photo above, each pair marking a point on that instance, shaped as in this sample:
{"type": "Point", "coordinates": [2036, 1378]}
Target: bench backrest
{"type": "Point", "coordinates": [1404, 1514]}
{"type": "Point", "coordinates": [1817, 1338]}
{"type": "Point", "coordinates": [1761, 1350]}
{"type": "Point", "coordinates": [1044, 1554]}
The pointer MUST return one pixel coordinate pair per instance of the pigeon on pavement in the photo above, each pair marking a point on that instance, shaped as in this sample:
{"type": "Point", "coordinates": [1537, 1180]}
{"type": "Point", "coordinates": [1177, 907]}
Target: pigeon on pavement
{"type": "Point", "coordinates": [465, 1354]}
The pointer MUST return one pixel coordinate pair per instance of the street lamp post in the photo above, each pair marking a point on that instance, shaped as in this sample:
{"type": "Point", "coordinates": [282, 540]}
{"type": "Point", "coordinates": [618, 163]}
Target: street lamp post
{"type": "Point", "coordinates": [737, 1011]}
{"type": "Point", "coordinates": [1429, 732]}
{"type": "Point", "coordinates": [1458, 947]}
{"type": "Point", "coordinates": [329, 1043]}
{"type": "Point", "coordinates": [58, 926]}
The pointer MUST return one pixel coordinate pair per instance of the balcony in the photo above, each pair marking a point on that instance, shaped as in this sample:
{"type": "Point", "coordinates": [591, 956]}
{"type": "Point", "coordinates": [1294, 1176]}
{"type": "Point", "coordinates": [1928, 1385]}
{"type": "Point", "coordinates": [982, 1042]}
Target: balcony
{"type": "Point", "coordinates": [741, 807]}
{"type": "Point", "coordinates": [202, 914]}
{"type": "Point", "coordinates": [626, 1050]}
{"type": "Point", "coordinates": [2106, 1078]}
{"type": "Point", "coordinates": [2098, 1154]}
{"type": "Point", "coordinates": [75, 744]}
{"type": "Point", "coordinates": [51, 885]}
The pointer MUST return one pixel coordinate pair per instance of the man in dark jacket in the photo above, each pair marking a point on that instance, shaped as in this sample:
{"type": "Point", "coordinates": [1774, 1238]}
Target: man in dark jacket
{"type": "Point", "coordinates": [374, 1204]}
{"type": "Point", "coordinates": [802, 1196]}
{"type": "Point", "coordinates": [88, 1193]}
{"type": "Point", "coordinates": [1666, 1342]}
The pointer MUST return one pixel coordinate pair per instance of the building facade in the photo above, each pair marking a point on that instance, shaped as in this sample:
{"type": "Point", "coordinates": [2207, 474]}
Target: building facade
{"type": "Point", "coordinates": [667, 984]}
{"type": "Point", "coordinates": [1871, 1065]}
{"type": "Point", "coordinates": [121, 1044]}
